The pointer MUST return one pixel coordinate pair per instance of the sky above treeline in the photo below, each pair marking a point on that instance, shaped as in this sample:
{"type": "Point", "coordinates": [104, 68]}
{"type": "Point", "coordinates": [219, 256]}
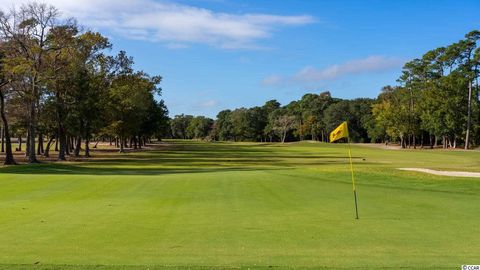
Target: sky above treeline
{"type": "Point", "coordinates": [219, 54]}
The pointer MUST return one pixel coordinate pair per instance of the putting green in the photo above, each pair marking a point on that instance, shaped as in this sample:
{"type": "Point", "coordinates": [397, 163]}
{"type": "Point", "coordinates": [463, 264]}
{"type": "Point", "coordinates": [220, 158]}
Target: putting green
{"type": "Point", "coordinates": [229, 205]}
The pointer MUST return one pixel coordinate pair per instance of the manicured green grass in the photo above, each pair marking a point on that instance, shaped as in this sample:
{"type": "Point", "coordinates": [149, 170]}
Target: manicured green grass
{"type": "Point", "coordinates": [244, 205]}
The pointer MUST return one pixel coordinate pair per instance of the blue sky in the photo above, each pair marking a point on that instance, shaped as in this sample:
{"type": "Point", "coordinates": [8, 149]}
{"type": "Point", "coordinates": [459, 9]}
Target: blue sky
{"type": "Point", "coordinates": [219, 54]}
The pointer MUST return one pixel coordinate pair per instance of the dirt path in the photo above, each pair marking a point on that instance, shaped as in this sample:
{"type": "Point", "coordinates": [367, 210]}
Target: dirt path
{"type": "Point", "coordinates": [443, 173]}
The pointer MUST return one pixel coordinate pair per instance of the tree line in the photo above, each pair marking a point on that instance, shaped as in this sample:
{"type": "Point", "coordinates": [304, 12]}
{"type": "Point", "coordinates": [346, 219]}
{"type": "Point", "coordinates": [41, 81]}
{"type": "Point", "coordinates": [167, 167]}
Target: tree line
{"type": "Point", "coordinates": [59, 84]}
{"type": "Point", "coordinates": [435, 102]}
{"type": "Point", "coordinates": [437, 99]}
{"type": "Point", "coordinates": [310, 118]}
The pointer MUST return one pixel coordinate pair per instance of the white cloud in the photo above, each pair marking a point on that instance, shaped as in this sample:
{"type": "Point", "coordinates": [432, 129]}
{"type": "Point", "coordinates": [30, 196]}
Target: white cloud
{"type": "Point", "coordinates": [208, 103]}
{"type": "Point", "coordinates": [173, 23]}
{"type": "Point", "coordinates": [176, 46]}
{"type": "Point", "coordinates": [310, 75]}
{"type": "Point", "coordinates": [369, 64]}
{"type": "Point", "coordinates": [272, 80]}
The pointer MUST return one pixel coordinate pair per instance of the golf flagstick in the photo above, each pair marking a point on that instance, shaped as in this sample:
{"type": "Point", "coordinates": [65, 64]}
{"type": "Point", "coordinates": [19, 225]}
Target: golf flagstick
{"type": "Point", "coordinates": [353, 178]}
{"type": "Point", "coordinates": [342, 132]}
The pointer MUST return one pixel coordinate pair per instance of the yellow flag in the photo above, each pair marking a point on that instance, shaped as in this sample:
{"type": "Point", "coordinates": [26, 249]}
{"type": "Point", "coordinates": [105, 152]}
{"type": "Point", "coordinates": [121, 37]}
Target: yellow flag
{"type": "Point", "coordinates": [340, 132]}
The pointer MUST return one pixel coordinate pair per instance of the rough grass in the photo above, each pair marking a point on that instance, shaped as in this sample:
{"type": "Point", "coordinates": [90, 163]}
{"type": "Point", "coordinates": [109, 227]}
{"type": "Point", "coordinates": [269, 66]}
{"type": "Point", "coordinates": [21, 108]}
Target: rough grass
{"type": "Point", "coordinates": [226, 205]}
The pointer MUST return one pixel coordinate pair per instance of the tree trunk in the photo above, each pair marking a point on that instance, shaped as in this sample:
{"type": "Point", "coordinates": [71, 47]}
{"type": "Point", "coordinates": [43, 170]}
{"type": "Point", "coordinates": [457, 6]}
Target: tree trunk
{"type": "Point", "coordinates": [32, 157]}
{"type": "Point", "coordinates": [9, 160]}
{"type": "Point", "coordinates": [467, 135]}
{"type": "Point", "coordinates": [122, 149]}
{"type": "Point", "coordinates": [87, 139]}
{"type": "Point", "coordinates": [67, 146]}
{"type": "Point", "coordinates": [87, 147]}
{"type": "Point", "coordinates": [135, 142]}
{"type": "Point", "coordinates": [27, 144]}
{"type": "Point", "coordinates": [40, 148]}
{"type": "Point", "coordinates": [78, 146]}
{"type": "Point", "coordinates": [3, 140]}
{"type": "Point", "coordinates": [46, 153]}
{"type": "Point", "coordinates": [19, 148]}
{"type": "Point", "coordinates": [61, 141]}
{"type": "Point", "coordinates": [72, 144]}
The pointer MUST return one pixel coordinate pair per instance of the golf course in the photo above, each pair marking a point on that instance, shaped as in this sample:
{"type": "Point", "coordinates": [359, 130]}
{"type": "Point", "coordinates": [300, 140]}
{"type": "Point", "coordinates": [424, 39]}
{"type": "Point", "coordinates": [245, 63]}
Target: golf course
{"type": "Point", "coordinates": [186, 204]}
{"type": "Point", "coordinates": [236, 134]}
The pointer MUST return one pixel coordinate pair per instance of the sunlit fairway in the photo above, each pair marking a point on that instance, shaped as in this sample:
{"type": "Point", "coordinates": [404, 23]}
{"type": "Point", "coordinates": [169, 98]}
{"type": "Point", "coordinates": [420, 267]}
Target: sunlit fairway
{"type": "Point", "coordinates": [227, 205]}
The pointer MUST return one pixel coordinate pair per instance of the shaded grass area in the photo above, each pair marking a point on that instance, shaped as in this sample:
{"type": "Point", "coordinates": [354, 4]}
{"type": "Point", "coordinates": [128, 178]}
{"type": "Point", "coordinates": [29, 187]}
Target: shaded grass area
{"type": "Point", "coordinates": [228, 206]}
{"type": "Point", "coordinates": [186, 155]}
{"type": "Point", "coordinates": [156, 267]}
{"type": "Point", "coordinates": [178, 158]}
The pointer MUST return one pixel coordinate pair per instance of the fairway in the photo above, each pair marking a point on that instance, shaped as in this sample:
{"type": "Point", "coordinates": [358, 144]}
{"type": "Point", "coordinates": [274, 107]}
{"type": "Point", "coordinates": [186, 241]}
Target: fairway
{"type": "Point", "coordinates": [229, 205]}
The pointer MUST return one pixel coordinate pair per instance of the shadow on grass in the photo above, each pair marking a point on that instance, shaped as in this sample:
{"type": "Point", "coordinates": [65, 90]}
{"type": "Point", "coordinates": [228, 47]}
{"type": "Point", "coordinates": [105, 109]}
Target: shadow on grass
{"type": "Point", "coordinates": [190, 267]}
{"type": "Point", "coordinates": [185, 157]}
{"type": "Point", "coordinates": [72, 169]}
{"type": "Point", "coordinates": [68, 169]}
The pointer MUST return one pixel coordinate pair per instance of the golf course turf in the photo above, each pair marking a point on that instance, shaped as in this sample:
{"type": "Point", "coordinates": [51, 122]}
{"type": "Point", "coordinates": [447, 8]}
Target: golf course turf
{"type": "Point", "coordinates": [198, 205]}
